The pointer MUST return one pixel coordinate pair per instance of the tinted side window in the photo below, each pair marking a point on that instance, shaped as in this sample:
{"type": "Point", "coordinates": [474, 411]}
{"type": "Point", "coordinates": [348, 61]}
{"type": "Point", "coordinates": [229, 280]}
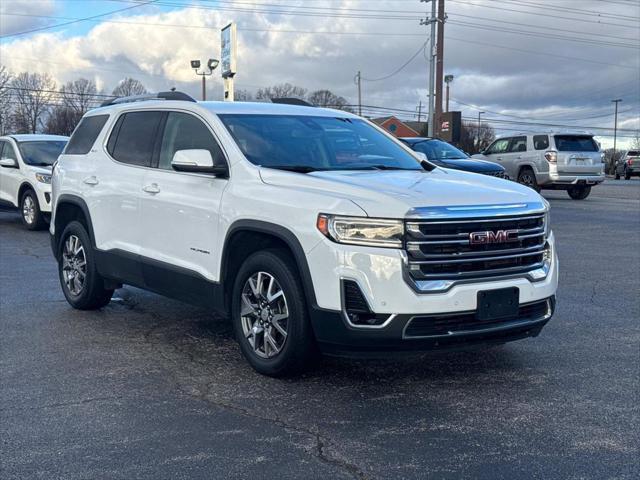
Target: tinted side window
{"type": "Point", "coordinates": [518, 144]}
{"type": "Point", "coordinates": [135, 138]}
{"type": "Point", "coordinates": [1, 148]}
{"type": "Point", "coordinates": [541, 142]}
{"type": "Point", "coordinates": [499, 146]}
{"type": "Point", "coordinates": [186, 132]}
{"type": "Point", "coordinates": [85, 134]}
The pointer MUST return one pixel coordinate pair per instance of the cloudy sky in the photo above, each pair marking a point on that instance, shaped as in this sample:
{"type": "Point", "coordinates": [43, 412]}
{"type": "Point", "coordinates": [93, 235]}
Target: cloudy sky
{"type": "Point", "coordinates": [544, 62]}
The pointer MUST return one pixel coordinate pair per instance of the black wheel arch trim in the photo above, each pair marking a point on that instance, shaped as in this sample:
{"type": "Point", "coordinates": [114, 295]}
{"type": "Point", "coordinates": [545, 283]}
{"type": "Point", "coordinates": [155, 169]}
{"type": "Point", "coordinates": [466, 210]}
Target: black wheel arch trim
{"type": "Point", "coordinates": [66, 198]}
{"type": "Point", "coordinates": [283, 234]}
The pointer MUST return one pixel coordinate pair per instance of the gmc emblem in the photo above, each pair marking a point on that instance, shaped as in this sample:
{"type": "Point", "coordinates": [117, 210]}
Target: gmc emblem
{"type": "Point", "coordinates": [499, 236]}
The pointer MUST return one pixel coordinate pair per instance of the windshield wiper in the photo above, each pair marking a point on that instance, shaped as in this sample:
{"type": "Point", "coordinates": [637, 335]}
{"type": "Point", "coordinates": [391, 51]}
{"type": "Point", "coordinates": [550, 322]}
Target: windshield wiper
{"type": "Point", "coordinates": [294, 168]}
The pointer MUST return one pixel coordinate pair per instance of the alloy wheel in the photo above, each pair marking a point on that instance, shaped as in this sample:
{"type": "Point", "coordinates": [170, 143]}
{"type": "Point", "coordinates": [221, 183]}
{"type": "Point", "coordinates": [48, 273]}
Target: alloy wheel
{"type": "Point", "coordinates": [527, 179]}
{"type": "Point", "coordinates": [264, 314]}
{"type": "Point", "coordinates": [74, 265]}
{"type": "Point", "coordinates": [28, 209]}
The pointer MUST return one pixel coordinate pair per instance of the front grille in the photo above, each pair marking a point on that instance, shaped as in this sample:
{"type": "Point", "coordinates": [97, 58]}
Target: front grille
{"type": "Point", "coordinates": [442, 250]}
{"type": "Point", "coordinates": [435, 325]}
{"type": "Point", "coordinates": [498, 173]}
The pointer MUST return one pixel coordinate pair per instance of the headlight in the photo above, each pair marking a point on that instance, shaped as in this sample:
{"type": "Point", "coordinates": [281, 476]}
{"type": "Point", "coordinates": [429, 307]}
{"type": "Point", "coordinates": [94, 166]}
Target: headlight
{"type": "Point", "coordinates": [373, 232]}
{"type": "Point", "coordinates": [43, 177]}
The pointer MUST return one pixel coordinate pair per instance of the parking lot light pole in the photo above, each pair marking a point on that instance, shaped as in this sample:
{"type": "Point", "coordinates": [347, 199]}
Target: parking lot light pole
{"type": "Point", "coordinates": [615, 135]}
{"type": "Point", "coordinates": [478, 132]}
{"type": "Point", "coordinates": [211, 66]}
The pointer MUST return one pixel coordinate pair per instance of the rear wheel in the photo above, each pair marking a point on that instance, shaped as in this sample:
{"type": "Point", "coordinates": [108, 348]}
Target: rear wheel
{"type": "Point", "coordinates": [617, 174]}
{"type": "Point", "coordinates": [82, 285]}
{"type": "Point", "coordinates": [528, 178]}
{"type": "Point", "coordinates": [627, 174]}
{"type": "Point", "coordinates": [579, 193]}
{"type": "Point", "coordinates": [30, 213]}
{"type": "Point", "coordinates": [270, 316]}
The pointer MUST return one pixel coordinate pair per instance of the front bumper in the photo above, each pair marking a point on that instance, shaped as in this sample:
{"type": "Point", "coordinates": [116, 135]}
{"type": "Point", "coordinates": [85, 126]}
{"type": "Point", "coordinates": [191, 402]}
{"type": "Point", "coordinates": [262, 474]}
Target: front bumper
{"type": "Point", "coordinates": [43, 191]}
{"type": "Point", "coordinates": [379, 274]}
{"type": "Point", "coordinates": [335, 337]}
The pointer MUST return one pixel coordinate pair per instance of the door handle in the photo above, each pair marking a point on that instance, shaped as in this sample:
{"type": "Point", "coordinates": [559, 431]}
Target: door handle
{"type": "Point", "coordinates": [92, 180]}
{"type": "Point", "coordinates": [153, 188]}
{"type": "Point", "coordinates": [519, 157]}
{"type": "Point", "coordinates": [499, 158]}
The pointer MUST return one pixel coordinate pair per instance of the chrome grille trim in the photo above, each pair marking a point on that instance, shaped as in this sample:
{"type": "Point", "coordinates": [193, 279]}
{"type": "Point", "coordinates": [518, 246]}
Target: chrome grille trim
{"type": "Point", "coordinates": [444, 251]}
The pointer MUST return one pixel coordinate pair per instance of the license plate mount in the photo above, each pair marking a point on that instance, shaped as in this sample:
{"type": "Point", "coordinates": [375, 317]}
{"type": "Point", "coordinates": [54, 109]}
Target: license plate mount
{"type": "Point", "coordinates": [500, 304]}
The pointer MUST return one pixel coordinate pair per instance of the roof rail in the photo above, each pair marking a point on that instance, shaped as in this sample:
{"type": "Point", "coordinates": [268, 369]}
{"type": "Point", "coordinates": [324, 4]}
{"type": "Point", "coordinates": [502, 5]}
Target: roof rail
{"type": "Point", "coordinates": [292, 101]}
{"type": "Point", "coordinates": [151, 96]}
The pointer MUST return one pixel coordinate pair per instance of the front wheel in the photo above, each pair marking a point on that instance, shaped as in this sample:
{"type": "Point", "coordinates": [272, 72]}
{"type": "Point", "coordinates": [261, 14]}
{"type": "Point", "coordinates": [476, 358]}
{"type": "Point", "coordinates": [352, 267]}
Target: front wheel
{"type": "Point", "coordinates": [528, 178]}
{"type": "Point", "coordinates": [270, 316]}
{"type": "Point", "coordinates": [82, 285]}
{"type": "Point", "coordinates": [30, 213]}
{"type": "Point", "coordinates": [579, 193]}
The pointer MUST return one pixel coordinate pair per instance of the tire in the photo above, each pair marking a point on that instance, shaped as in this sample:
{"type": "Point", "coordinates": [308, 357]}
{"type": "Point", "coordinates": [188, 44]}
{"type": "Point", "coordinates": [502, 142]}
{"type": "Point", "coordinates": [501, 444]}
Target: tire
{"type": "Point", "coordinates": [258, 332]}
{"type": "Point", "coordinates": [30, 213]}
{"type": "Point", "coordinates": [82, 285]}
{"type": "Point", "coordinates": [617, 175]}
{"type": "Point", "coordinates": [627, 174]}
{"type": "Point", "coordinates": [579, 193]}
{"type": "Point", "coordinates": [528, 178]}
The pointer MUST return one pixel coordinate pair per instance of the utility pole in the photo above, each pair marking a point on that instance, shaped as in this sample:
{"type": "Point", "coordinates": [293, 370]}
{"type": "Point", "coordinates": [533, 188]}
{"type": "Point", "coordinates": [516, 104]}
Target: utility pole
{"type": "Point", "coordinates": [431, 21]}
{"type": "Point", "coordinates": [439, 64]}
{"type": "Point", "coordinates": [419, 110]}
{"type": "Point", "coordinates": [478, 132]}
{"type": "Point", "coordinates": [615, 134]}
{"type": "Point", "coordinates": [358, 82]}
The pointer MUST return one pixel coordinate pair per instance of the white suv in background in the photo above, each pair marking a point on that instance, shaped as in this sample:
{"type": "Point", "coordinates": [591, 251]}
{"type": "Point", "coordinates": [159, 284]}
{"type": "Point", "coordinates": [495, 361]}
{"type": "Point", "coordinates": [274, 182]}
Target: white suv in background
{"type": "Point", "coordinates": [554, 161]}
{"type": "Point", "coordinates": [311, 229]}
{"type": "Point", "coordinates": [25, 175]}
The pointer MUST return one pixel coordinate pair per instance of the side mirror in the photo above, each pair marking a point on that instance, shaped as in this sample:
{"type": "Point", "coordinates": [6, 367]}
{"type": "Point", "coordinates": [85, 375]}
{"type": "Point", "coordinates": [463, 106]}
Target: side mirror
{"type": "Point", "coordinates": [421, 156]}
{"type": "Point", "coordinates": [197, 161]}
{"type": "Point", "coordinates": [8, 163]}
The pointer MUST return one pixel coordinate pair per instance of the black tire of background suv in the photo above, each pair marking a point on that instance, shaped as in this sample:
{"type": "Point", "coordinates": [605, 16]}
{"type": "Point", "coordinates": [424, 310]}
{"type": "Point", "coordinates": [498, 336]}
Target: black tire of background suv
{"type": "Point", "coordinates": [627, 174]}
{"type": "Point", "coordinates": [93, 295]}
{"type": "Point", "coordinates": [529, 170]}
{"type": "Point", "coordinates": [39, 222]}
{"type": "Point", "coordinates": [579, 193]}
{"type": "Point", "coordinates": [300, 350]}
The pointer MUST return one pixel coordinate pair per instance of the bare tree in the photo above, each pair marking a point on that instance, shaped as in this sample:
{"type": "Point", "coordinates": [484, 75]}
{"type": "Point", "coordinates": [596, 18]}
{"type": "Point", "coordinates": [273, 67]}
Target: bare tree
{"type": "Point", "coordinates": [33, 93]}
{"type": "Point", "coordinates": [5, 100]}
{"type": "Point", "coordinates": [129, 86]}
{"type": "Point", "coordinates": [80, 95]}
{"type": "Point", "coordinates": [326, 98]}
{"type": "Point", "coordinates": [283, 90]}
{"type": "Point", "coordinates": [242, 95]}
{"type": "Point", "coordinates": [62, 120]}
{"type": "Point", "coordinates": [474, 139]}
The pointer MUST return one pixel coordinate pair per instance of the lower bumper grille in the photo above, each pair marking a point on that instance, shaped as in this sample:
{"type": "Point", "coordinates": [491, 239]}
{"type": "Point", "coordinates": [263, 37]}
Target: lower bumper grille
{"type": "Point", "coordinates": [450, 324]}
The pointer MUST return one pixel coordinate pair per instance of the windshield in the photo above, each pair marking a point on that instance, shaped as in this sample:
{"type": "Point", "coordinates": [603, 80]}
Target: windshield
{"type": "Point", "coordinates": [576, 143]}
{"type": "Point", "coordinates": [437, 150]}
{"type": "Point", "coordinates": [42, 153]}
{"type": "Point", "coordinates": [306, 143]}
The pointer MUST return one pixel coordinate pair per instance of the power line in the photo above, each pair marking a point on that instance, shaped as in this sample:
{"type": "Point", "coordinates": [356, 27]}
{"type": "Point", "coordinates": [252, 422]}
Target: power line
{"type": "Point", "coordinates": [574, 10]}
{"type": "Point", "coordinates": [76, 21]}
{"type": "Point", "coordinates": [399, 69]}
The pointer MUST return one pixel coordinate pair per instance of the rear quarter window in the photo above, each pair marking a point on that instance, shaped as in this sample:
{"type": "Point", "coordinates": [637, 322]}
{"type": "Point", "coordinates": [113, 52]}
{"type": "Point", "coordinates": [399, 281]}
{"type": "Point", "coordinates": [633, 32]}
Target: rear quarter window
{"type": "Point", "coordinates": [576, 143]}
{"type": "Point", "coordinates": [85, 134]}
{"type": "Point", "coordinates": [633, 153]}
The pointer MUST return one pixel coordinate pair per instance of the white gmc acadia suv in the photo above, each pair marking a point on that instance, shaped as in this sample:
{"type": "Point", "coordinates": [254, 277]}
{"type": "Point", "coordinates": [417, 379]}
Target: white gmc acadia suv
{"type": "Point", "coordinates": [312, 229]}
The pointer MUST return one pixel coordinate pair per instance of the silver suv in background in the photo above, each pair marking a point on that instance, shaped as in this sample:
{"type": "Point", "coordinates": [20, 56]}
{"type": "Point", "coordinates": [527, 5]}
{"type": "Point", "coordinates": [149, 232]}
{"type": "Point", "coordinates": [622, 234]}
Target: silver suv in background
{"type": "Point", "coordinates": [628, 165]}
{"type": "Point", "coordinates": [554, 161]}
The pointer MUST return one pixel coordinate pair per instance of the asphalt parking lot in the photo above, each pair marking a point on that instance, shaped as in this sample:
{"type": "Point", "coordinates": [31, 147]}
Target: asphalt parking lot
{"type": "Point", "coordinates": [152, 388]}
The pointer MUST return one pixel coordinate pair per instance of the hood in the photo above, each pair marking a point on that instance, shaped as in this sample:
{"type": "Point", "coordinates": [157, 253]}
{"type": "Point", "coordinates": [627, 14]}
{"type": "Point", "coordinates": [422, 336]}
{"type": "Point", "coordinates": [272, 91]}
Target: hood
{"type": "Point", "coordinates": [39, 169]}
{"type": "Point", "coordinates": [394, 194]}
{"type": "Point", "coordinates": [472, 165]}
